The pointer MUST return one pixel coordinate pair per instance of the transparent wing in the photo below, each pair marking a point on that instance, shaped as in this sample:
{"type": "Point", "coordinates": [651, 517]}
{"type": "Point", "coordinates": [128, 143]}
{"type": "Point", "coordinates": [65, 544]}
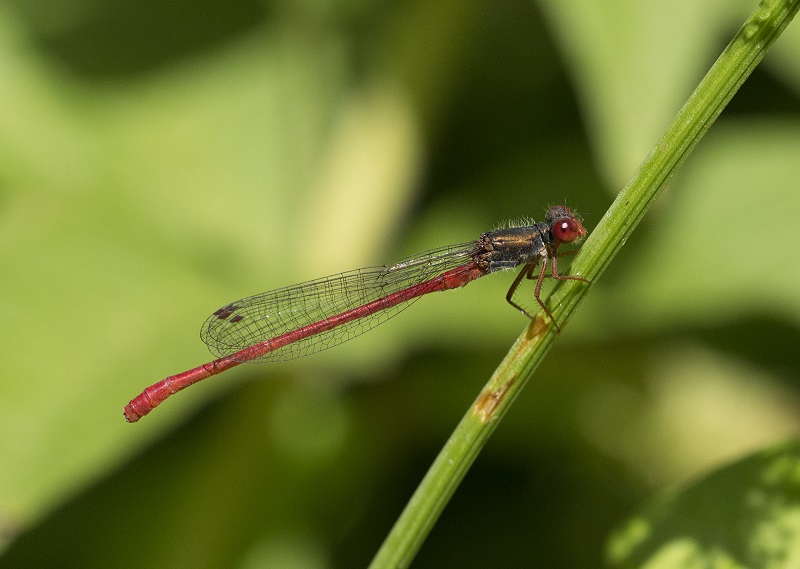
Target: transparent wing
{"type": "Point", "coordinates": [255, 319]}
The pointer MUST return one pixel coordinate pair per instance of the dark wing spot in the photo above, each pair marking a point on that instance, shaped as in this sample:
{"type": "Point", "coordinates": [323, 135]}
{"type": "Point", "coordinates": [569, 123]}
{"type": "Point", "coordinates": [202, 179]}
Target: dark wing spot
{"type": "Point", "coordinates": [224, 312]}
{"type": "Point", "coordinates": [237, 318]}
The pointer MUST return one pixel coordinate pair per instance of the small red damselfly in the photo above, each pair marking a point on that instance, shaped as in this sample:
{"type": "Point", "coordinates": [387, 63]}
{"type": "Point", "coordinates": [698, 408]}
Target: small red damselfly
{"type": "Point", "coordinates": [299, 320]}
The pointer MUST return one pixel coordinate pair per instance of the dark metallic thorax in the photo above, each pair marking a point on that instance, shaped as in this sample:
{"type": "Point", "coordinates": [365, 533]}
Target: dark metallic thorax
{"type": "Point", "coordinates": [511, 247]}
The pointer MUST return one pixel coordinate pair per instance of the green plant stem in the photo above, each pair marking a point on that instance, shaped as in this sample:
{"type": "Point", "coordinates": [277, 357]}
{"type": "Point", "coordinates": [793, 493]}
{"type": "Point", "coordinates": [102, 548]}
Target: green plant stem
{"type": "Point", "coordinates": [713, 93]}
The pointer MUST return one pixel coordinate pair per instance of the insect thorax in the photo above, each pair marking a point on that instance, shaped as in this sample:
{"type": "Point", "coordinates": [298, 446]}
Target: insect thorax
{"type": "Point", "coordinates": [508, 248]}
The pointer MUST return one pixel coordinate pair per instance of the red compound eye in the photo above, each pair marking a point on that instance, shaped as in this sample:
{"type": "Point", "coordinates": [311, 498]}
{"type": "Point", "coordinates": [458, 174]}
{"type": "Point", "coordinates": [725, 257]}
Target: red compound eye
{"type": "Point", "coordinates": [567, 229]}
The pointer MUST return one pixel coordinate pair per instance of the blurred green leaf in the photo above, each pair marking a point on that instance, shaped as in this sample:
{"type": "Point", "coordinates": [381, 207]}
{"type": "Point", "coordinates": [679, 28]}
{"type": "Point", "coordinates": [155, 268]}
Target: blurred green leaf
{"type": "Point", "coordinates": [141, 206]}
{"type": "Point", "coordinates": [744, 515]}
{"type": "Point", "coordinates": [611, 46]}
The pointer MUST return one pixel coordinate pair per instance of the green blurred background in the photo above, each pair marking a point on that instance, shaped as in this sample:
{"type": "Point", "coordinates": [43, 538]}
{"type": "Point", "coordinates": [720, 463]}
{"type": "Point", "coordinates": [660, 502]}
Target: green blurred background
{"type": "Point", "coordinates": [159, 159]}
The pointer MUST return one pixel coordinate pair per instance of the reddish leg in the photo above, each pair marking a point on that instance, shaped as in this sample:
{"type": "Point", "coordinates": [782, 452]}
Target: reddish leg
{"type": "Point", "coordinates": [527, 273]}
{"type": "Point", "coordinates": [555, 274]}
{"type": "Point", "coordinates": [524, 273]}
